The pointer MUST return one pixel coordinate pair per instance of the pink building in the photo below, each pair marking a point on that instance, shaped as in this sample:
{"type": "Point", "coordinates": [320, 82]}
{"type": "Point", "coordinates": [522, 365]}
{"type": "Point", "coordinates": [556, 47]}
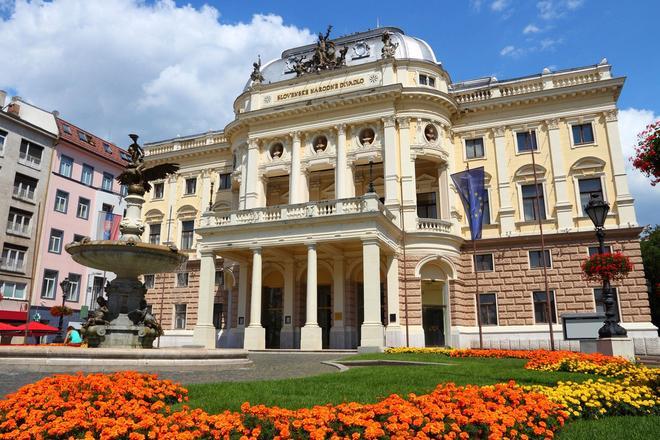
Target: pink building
{"type": "Point", "coordinates": [83, 200]}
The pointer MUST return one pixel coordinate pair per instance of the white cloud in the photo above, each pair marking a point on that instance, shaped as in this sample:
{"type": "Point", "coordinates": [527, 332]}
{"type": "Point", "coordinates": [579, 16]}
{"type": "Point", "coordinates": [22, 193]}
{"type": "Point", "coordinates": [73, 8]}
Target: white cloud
{"type": "Point", "coordinates": [549, 43]}
{"type": "Point", "coordinates": [122, 66]}
{"type": "Point", "coordinates": [574, 4]}
{"type": "Point", "coordinates": [647, 197]}
{"type": "Point", "coordinates": [499, 5]}
{"type": "Point", "coordinates": [531, 29]}
{"type": "Point", "coordinates": [553, 9]}
{"type": "Point", "coordinates": [512, 51]}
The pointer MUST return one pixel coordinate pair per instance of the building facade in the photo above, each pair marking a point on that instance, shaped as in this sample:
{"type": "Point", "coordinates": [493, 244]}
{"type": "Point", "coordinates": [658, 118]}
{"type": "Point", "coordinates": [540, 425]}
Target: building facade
{"type": "Point", "coordinates": [83, 200]}
{"type": "Point", "coordinates": [323, 215]}
{"type": "Point", "coordinates": [27, 137]}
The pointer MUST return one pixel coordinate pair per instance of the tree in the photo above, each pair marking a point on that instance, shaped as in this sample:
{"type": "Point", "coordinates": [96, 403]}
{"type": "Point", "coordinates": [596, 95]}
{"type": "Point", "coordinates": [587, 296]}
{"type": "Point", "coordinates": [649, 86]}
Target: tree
{"type": "Point", "coordinates": [650, 245]}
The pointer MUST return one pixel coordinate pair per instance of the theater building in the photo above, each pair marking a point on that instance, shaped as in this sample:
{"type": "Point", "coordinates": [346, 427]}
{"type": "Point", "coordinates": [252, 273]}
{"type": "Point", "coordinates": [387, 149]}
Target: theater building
{"type": "Point", "coordinates": [324, 215]}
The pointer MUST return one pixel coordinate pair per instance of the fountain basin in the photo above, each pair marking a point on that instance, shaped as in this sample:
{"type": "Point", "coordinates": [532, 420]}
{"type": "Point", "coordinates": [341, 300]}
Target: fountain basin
{"type": "Point", "coordinates": [127, 259]}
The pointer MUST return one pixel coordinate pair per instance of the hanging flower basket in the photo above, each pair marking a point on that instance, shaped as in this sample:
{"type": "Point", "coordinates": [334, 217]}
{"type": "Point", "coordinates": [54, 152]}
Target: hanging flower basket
{"type": "Point", "coordinates": [60, 311]}
{"type": "Point", "coordinates": [647, 152]}
{"type": "Point", "coordinates": [606, 267]}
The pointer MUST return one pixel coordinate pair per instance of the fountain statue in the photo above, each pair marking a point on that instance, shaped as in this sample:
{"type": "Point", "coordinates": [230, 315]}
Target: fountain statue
{"type": "Point", "coordinates": [124, 320]}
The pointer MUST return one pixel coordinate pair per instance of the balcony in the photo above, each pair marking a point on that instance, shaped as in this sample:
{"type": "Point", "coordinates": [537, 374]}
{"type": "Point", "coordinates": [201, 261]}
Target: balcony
{"type": "Point", "coordinates": [433, 225]}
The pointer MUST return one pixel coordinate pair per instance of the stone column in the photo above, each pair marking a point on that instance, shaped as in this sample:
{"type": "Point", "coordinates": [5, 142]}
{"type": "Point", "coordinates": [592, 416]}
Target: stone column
{"type": "Point", "coordinates": [409, 196]}
{"type": "Point", "coordinates": [443, 186]}
{"type": "Point", "coordinates": [337, 332]}
{"type": "Point", "coordinates": [624, 200]}
{"type": "Point", "coordinates": [507, 225]}
{"type": "Point", "coordinates": [294, 176]}
{"type": "Point", "coordinates": [286, 334]}
{"type": "Point", "coordinates": [562, 202]}
{"type": "Point", "coordinates": [204, 333]}
{"type": "Point", "coordinates": [390, 165]}
{"type": "Point", "coordinates": [372, 335]}
{"type": "Point", "coordinates": [251, 177]}
{"type": "Point", "coordinates": [393, 332]}
{"type": "Point", "coordinates": [341, 167]}
{"type": "Point", "coordinates": [255, 334]}
{"type": "Point", "coordinates": [241, 318]}
{"type": "Point", "coordinates": [310, 334]}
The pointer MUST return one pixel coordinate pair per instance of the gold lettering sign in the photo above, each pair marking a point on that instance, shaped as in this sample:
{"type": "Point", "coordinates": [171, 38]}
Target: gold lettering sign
{"type": "Point", "coordinates": [319, 89]}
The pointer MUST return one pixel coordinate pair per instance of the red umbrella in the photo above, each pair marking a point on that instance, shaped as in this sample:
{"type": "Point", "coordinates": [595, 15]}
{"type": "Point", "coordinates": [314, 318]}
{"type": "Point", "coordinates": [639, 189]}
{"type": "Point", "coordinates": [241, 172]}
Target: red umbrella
{"type": "Point", "coordinates": [37, 328]}
{"type": "Point", "coordinates": [6, 327]}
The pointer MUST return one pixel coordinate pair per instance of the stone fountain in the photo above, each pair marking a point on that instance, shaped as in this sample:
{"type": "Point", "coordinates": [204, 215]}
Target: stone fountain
{"type": "Point", "coordinates": [123, 320]}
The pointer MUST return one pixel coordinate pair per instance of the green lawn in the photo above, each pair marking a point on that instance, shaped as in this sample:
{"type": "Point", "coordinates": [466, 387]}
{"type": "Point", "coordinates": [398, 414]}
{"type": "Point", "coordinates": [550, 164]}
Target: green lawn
{"type": "Point", "coordinates": [614, 428]}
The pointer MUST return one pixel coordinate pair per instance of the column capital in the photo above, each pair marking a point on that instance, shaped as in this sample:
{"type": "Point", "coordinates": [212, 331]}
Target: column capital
{"type": "Point", "coordinates": [295, 135]}
{"type": "Point", "coordinates": [404, 123]}
{"type": "Point", "coordinates": [256, 250]}
{"type": "Point", "coordinates": [611, 115]}
{"type": "Point", "coordinates": [552, 124]}
{"type": "Point", "coordinates": [389, 121]}
{"type": "Point", "coordinates": [341, 129]}
{"type": "Point", "coordinates": [370, 240]}
{"type": "Point", "coordinates": [311, 246]}
{"type": "Point", "coordinates": [253, 143]}
{"type": "Point", "coordinates": [205, 253]}
{"type": "Point", "coordinates": [499, 131]}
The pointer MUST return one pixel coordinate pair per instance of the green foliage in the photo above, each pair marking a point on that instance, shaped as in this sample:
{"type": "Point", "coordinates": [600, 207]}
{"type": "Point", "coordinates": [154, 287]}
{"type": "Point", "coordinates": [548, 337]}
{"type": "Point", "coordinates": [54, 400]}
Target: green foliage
{"type": "Point", "coordinates": [650, 245]}
{"type": "Point", "coordinates": [628, 428]}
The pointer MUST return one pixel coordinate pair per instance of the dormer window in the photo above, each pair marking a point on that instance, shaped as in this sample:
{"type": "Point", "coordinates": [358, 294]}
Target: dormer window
{"type": "Point", "coordinates": [125, 156]}
{"type": "Point", "coordinates": [107, 148]}
{"type": "Point", "coordinates": [426, 80]}
{"type": "Point", "coordinates": [66, 129]}
{"type": "Point", "coordinates": [84, 137]}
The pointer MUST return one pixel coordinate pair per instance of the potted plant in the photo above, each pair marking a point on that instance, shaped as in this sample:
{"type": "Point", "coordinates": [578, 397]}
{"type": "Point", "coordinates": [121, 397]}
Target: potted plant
{"type": "Point", "coordinates": [606, 267]}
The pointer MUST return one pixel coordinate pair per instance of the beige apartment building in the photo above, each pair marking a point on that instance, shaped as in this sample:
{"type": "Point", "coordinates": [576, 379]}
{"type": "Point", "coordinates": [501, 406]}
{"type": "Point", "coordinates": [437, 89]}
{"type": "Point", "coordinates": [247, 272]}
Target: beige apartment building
{"type": "Point", "coordinates": [324, 216]}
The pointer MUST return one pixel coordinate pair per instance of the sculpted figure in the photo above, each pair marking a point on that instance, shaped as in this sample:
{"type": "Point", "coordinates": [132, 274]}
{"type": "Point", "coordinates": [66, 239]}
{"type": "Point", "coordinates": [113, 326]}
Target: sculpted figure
{"type": "Point", "coordinates": [389, 48]}
{"type": "Point", "coordinates": [136, 176]}
{"type": "Point", "coordinates": [256, 75]}
{"type": "Point", "coordinates": [100, 315]}
{"type": "Point", "coordinates": [141, 316]}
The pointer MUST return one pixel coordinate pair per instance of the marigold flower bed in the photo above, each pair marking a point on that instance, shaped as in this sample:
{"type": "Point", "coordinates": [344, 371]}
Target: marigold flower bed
{"type": "Point", "coordinates": [135, 406]}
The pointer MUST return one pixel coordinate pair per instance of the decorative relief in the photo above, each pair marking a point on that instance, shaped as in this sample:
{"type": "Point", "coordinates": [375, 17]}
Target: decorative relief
{"type": "Point", "coordinates": [366, 136]}
{"type": "Point", "coordinates": [320, 143]}
{"type": "Point", "coordinates": [404, 123]}
{"type": "Point", "coordinates": [267, 99]}
{"type": "Point", "coordinates": [389, 48]}
{"type": "Point", "coordinates": [389, 121]}
{"type": "Point", "coordinates": [611, 115]}
{"type": "Point", "coordinates": [361, 50]}
{"type": "Point", "coordinates": [499, 131]}
{"type": "Point", "coordinates": [430, 133]}
{"type": "Point", "coordinates": [374, 78]}
{"type": "Point", "coordinates": [552, 124]}
{"type": "Point", "coordinates": [325, 57]}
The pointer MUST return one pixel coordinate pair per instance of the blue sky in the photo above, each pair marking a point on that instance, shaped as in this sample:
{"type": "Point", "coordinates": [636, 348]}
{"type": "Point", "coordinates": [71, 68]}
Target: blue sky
{"type": "Point", "coordinates": [164, 68]}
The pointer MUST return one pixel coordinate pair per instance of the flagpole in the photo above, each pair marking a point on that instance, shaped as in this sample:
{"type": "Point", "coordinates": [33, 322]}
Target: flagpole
{"type": "Point", "coordinates": [476, 274]}
{"type": "Point", "coordinates": [543, 259]}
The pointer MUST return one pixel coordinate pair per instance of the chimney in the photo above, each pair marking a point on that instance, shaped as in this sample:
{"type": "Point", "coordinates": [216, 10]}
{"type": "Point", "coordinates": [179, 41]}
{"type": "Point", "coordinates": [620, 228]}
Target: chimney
{"type": "Point", "coordinates": [3, 97]}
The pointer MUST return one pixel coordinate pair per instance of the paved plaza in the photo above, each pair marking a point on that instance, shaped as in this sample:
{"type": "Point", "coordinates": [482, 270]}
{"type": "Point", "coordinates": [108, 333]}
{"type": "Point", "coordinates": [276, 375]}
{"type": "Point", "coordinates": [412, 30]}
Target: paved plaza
{"type": "Point", "coordinates": [266, 366]}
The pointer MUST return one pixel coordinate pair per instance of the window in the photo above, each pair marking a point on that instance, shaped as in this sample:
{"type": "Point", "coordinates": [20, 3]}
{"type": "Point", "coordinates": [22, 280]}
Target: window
{"type": "Point", "coordinates": [219, 278]}
{"type": "Point", "coordinates": [541, 307]}
{"type": "Point", "coordinates": [3, 136]}
{"type": "Point", "coordinates": [582, 134]}
{"type": "Point", "coordinates": [87, 176]}
{"type": "Point", "coordinates": [123, 190]}
{"type": "Point", "coordinates": [483, 262]}
{"type": "Point", "coordinates": [486, 208]}
{"type": "Point", "coordinates": [587, 188]}
{"type": "Point", "coordinates": [84, 137]}
{"type": "Point", "coordinates": [13, 258]}
{"type": "Point", "coordinates": [12, 290]}
{"type": "Point", "coordinates": [179, 316]}
{"type": "Point", "coordinates": [49, 285]}
{"type": "Point", "coordinates": [600, 301]}
{"type": "Point", "coordinates": [426, 80]}
{"type": "Point", "coordinates": [66, 129]}
{"type": "Point", "coordinates": [426, 205]}
{"type": "Point", "coordinates": [530, 210]}
{"type": "Point", "coordinates": [30, 154]}
{"type": "Point", "coordinates": [526, 141]}
{"type": "Point", "coordinates": [66, 166]}
{"type": "Point", "coordinates": [18, 222]}
{"type": "Point", "coordinates": [182, 279]}
{"type": "Point", "coordinates": [24, 187]}
{"type": "Point", "coordinates": [107, 148]}
{"type": "Point", "coordinates": [154, 233]}
{"type": "Point", "coordinates": [488, 308]}
{"type": "Point", "coordinates": [474, 148]}
{"type": "Point", "coordinates": [187, 232]}
{"type": "Point", "coordinates": [106, 207]}
{"type": "Point", "coordinates": [593, 250]}
{"type": "Point", "coordinates": [536, 259]}
{"type": "Point", "coordinates": [55, 241]}
{"type": "Point", "coordinates": [106, 184]}
{"type": "Point", "coordinates": [61, 201]}
{"type": "Point", "coordinates": [78, 238]}
{"type": "Point", "coordinates": [149, 281]}
{"type": "Point", "coordinates": [74, 288]}
{"type": "Point", "coordinates": [125, 156]}
{"type": "Point", "coordinates": [159, 190]}
{"type": "Point", "coordinates": [217, 315]}
{"type": "Point", "coordinates": [191, 185]}
{"type": "Point", "coordinates": [83, 208]}
{"type": "Point", "coordinates": [225, 181]}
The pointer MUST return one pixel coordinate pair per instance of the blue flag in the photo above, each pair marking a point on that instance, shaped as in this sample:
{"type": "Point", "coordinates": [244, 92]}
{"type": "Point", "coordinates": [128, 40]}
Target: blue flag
{"type": "Point", "coordinates": [470, 186]}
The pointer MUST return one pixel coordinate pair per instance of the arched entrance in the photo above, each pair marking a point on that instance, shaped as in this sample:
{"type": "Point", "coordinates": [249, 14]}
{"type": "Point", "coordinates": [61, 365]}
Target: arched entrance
{"type": "Point", "coordinates": [435, 274]}
{"type": "Point", "coordinates": [272, 302]}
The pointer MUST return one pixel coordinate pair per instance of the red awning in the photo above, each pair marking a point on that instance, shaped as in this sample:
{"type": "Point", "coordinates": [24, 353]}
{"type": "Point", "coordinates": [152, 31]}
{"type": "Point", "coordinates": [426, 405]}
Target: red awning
{"type": "Point", "coordinates": [12, 315]}
{"type": "Point", "coordinates": [6, 327]}
{"type": "Point", "coordinates": [37, 327]}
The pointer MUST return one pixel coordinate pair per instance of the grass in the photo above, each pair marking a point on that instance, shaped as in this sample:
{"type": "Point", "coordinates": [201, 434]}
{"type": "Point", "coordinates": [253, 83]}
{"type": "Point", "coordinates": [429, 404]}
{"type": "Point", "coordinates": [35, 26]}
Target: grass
{"type": "Point", "coordinates": [615, 428]}
{"type": "Point", "coordinates": [369, 384]}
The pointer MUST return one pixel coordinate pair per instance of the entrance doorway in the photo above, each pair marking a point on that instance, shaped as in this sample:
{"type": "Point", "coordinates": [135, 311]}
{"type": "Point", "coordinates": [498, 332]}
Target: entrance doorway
{"type": "Point", "coordinates": [271, 315]}
{"type": "Point", "coordinates": [433, 313]}
{"type": "Point", "coordinates": [324, 313]}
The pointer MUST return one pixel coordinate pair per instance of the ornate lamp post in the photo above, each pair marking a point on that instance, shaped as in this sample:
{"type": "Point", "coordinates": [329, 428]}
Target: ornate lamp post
{"type": "Point", "coordinates": [597, 210]}
{"type": "Point", "coordinates": [65, 285]}
{"type": "Point", "coordinates": [371, 176]}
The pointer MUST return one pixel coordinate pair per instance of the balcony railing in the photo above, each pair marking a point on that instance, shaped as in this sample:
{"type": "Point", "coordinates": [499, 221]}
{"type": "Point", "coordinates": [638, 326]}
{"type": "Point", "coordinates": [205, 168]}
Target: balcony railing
{"type": "Point", "coordinates": [30, 160]}
{"type": "Point", "coordinates": [433, 225]}
{"type": "Point", "coordinates": [323, 208]}
{"type": "Point", "coordinates": [24, 193]}
{"type": "Point", "coordinates": [12, 265]}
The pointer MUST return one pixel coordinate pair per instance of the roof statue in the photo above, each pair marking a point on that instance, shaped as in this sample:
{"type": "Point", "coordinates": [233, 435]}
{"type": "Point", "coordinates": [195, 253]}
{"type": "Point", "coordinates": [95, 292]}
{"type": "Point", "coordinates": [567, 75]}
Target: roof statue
{"type": "Point", "coordinates": [136, 177]}
{"type": "Point", "coordinates": [256, 75]}
{"type": "Point", "coordinates": [389, 48]}
{"type": "Point", "coordinates": [325, 57]}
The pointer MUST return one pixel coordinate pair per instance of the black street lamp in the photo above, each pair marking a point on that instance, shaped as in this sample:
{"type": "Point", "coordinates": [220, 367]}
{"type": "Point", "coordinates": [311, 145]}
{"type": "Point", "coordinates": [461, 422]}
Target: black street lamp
{"type": "Point", "coordinates": [65, 285]}
{"type": "Point", "coordinates": [597, 210]}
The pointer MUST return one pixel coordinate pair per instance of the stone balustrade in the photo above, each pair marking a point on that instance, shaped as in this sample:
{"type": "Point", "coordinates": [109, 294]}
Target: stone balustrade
{"type": "Point", "coordinates": [433, 225]}
{"type": "Point", "coordinates": [197, 142]}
